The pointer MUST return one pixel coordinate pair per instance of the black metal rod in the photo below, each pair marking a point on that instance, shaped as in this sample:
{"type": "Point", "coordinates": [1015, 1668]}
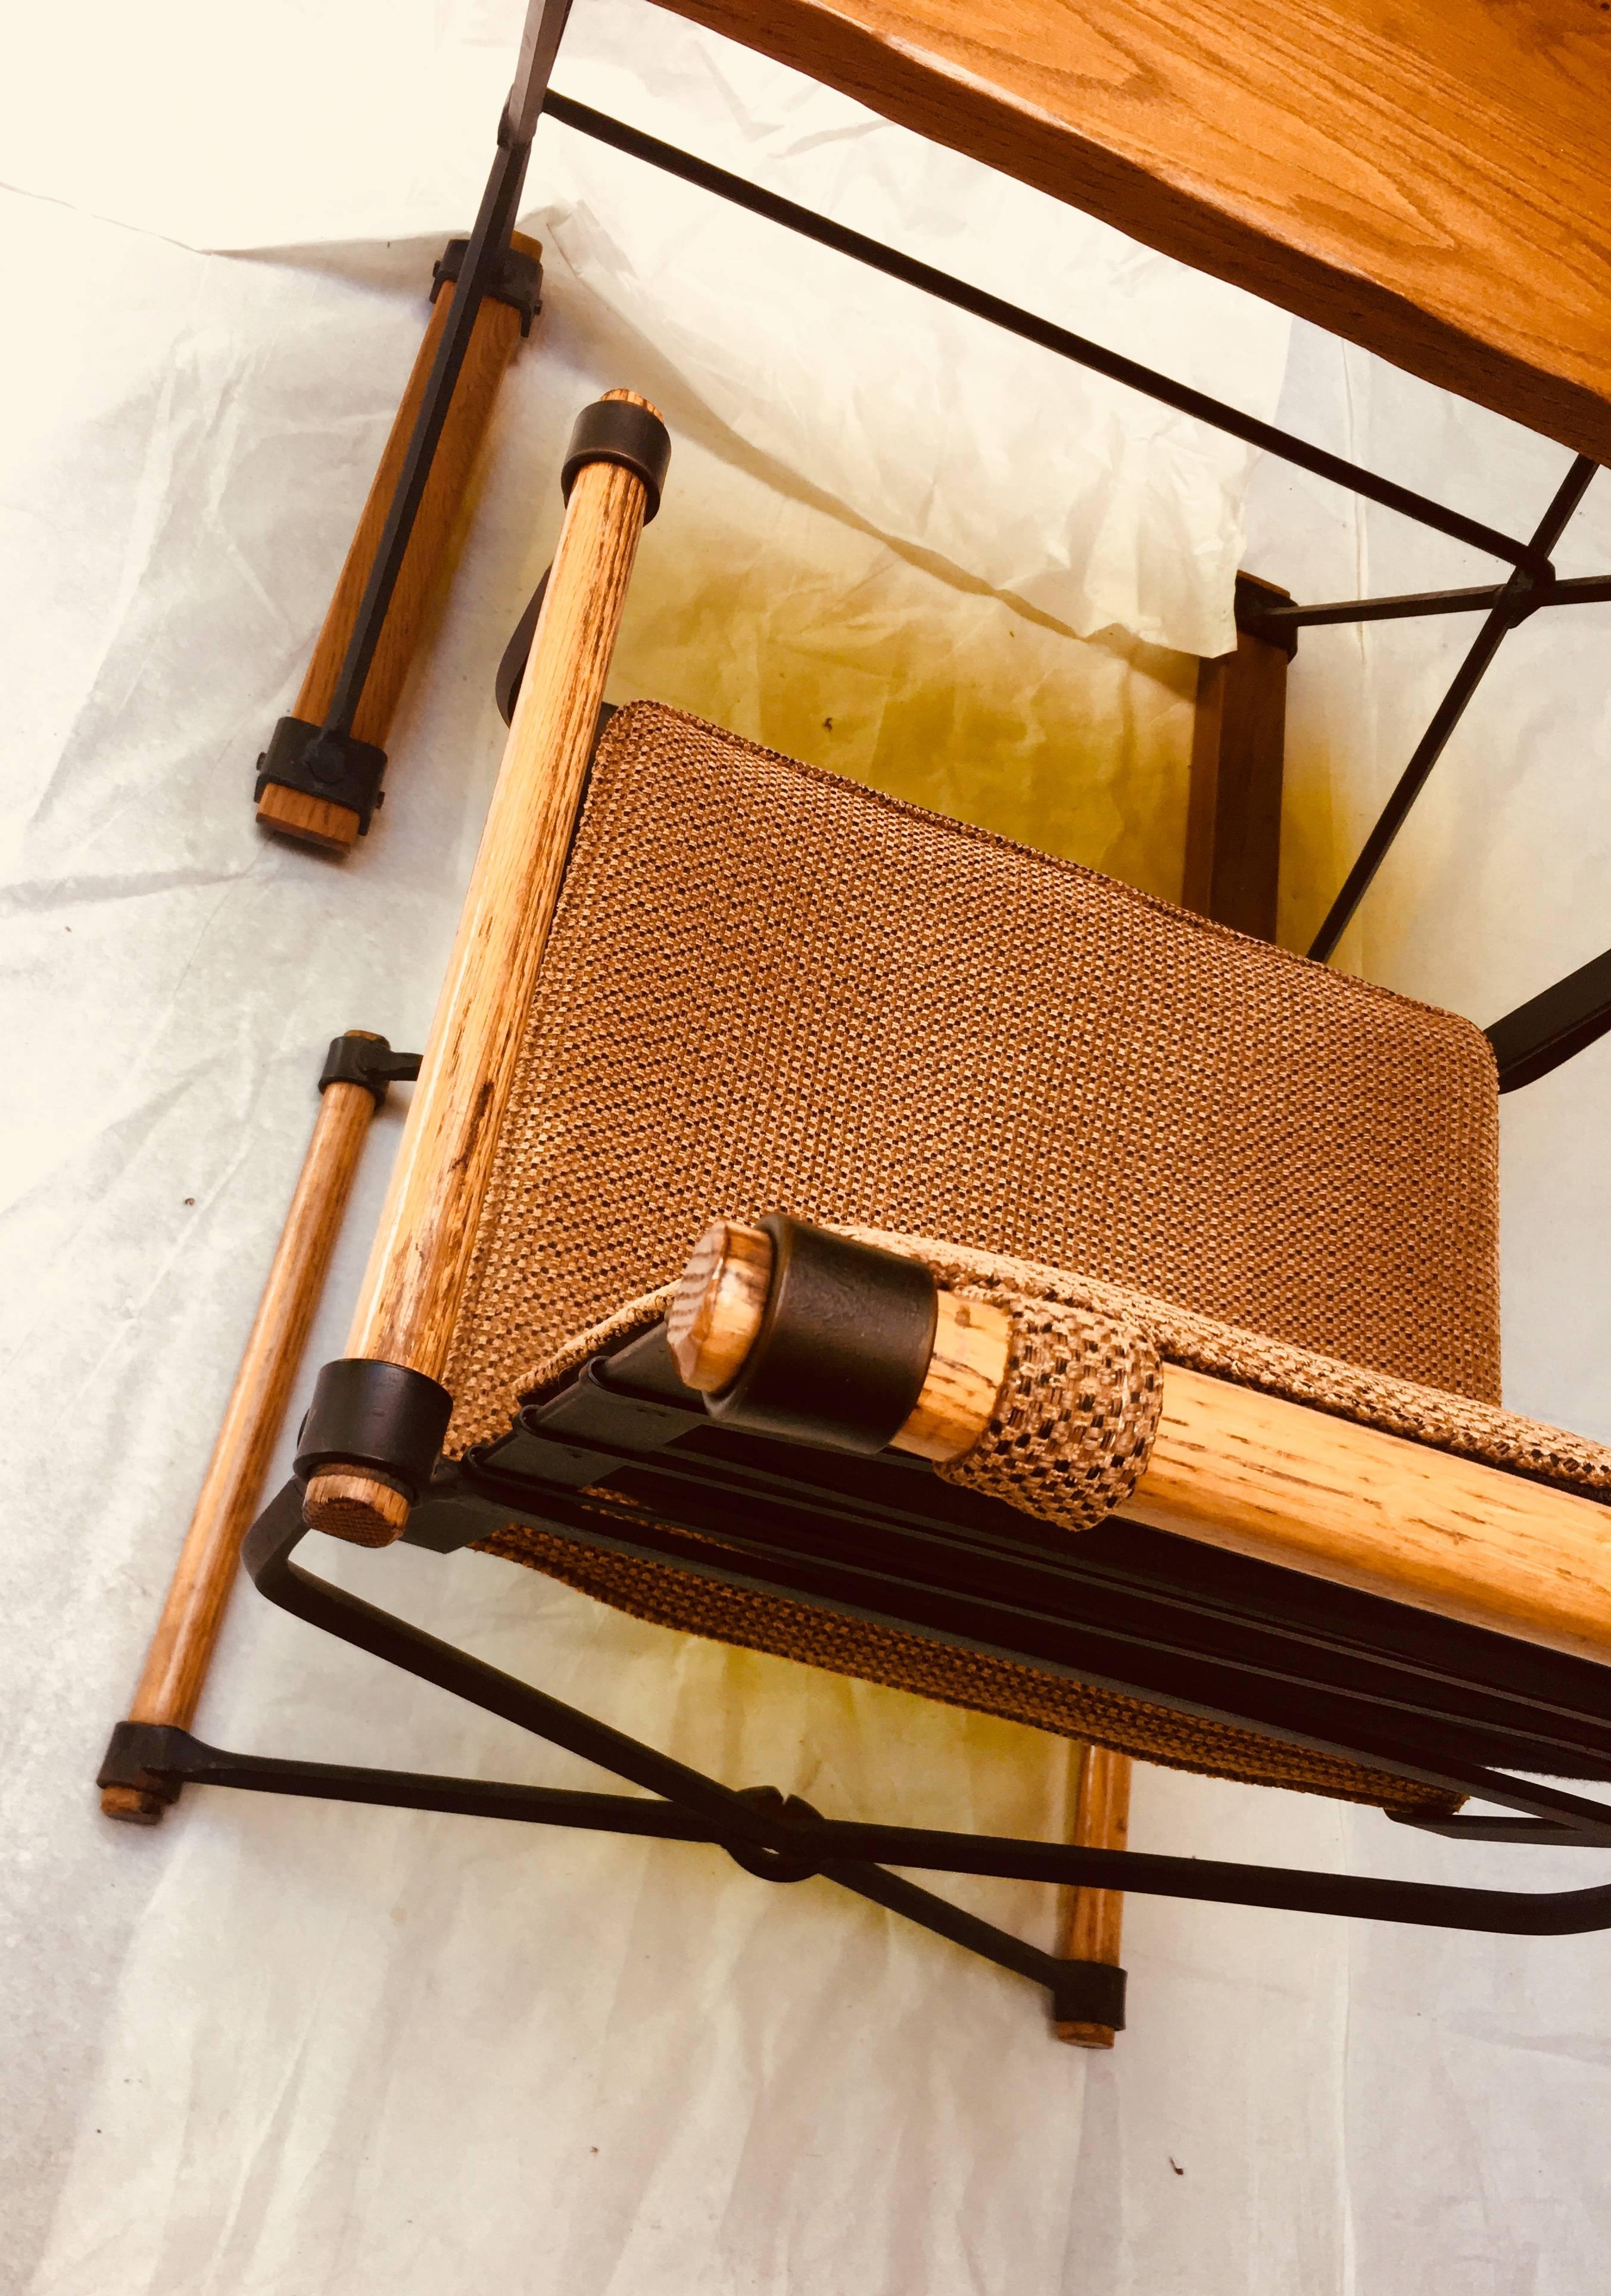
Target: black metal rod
{"type": "Point", "coordinates": [159, 1755]}
{"type": "Point", "coordinates": [1029, 328]}
{"type": "Point", "coordinates": [269, 1546]}
{"type": "Point", "coordinates": [489, 241]}
{"type": "Point", "coordinates": [935, 1914]}
{"type": "Point", "coordinates": [1429, 748]}
{"type": "Point", "coordinates": [881, 1590]}
{"type": "Point", "coordinates": [1552, 1028]}
{"type": "Point", "coordinates": [1581, 590]}
{"type": "Point", "coordinates": [854, 1854]}
{"type": "Point", "coordinates": [877, 1597]}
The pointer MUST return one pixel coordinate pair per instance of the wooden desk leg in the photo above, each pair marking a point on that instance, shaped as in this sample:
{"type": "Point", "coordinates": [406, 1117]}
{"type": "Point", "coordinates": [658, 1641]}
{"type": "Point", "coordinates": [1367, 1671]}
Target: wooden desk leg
{"type": "Point", "coordinates": [1233, 864]}
{"type": "Point", "coordinates": [1093, 1922]}
{"type": "Point", "coordinates": [315, 820]}
{"type": "Point", "coordinates": [181, 1647]}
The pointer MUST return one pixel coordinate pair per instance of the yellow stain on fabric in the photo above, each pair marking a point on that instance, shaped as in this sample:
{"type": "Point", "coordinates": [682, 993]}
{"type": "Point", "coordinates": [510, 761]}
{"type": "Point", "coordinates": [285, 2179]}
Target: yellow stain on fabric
{"type": "Point", "coordinates": [822, 641]}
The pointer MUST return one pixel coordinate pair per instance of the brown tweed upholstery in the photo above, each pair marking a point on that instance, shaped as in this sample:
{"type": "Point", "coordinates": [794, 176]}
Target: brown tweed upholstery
{"type": "Point", "coordinates": [770, 989]}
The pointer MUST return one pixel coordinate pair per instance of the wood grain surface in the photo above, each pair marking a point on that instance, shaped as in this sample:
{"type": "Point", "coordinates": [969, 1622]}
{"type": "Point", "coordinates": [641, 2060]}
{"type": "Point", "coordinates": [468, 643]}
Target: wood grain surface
{"type": "Point", "coordinates": [1292, 1485]}
{"type": "Point", "coordinates": [421, 1249]}
{"type": "Point", "coordinates": [720, 1300]}
{"type": "Point", "coordinates": [1093, 1920]}
{"type": "Point", "coordinates": [431, 545]}
{"type": "Point", "coordinates": [181, 1647]}
{"type": "Point", "coordinates": [1426, 177]}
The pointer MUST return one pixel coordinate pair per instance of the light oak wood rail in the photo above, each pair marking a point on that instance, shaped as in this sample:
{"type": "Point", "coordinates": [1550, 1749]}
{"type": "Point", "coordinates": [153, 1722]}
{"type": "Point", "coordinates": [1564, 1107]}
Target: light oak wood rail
{"type": "Point", "coordinates": [1093, 1926]}
{"type": "Point", "coordinates": [182, 1646]}
{"type": "Point", "coordinates": [1262, 1476]}
{"type": "Point", "coordinates": [431, 543]}
{"type": "Point", "coordinates": [421, 1255]}
{"type": "Point", "coordinates": [1239, 742]}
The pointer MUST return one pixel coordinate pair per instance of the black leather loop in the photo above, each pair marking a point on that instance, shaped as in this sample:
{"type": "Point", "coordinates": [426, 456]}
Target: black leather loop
{"type": "Point", "coordinates": [378, 1415]}
{"type": "Point", "coordinates": [843, 1347]}
{"type": "Point", "coordinates": [614, 430]}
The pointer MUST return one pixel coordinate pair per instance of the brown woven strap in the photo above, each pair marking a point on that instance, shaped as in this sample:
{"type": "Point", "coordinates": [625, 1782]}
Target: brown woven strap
{"type": "Point", "coordinates": [1074, 1425]}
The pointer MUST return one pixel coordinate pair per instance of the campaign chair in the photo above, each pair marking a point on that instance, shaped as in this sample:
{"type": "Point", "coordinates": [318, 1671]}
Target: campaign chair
{"type": "Point", "coordinates": [849, 1234]}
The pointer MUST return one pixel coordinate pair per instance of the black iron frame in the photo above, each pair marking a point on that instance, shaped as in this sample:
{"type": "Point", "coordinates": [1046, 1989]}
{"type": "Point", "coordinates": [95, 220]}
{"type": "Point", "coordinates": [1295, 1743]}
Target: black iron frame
{"type": "Point", "coordinates": [1532, 583]}
{"type": "Point", "coordinates": [730, 1510]}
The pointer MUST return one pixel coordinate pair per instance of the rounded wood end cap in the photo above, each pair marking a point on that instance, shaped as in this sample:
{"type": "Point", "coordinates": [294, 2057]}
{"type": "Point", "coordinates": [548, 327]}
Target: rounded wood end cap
{"type": "Point", "coordinates": [717, 1307]}
{"type": "Point", "coordinates": [357, 1508]}
{"type": "Point", "coordinates": [134, 1805]}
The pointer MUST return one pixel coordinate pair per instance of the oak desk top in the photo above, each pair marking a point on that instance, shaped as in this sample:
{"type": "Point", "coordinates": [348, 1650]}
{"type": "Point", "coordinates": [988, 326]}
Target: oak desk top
{"type": "Point", "coordinates": [1426, 177]}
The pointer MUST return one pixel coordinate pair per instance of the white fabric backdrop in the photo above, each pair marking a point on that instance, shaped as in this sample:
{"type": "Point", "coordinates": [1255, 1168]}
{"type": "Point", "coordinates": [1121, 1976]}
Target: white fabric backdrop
{"type": "Point", "coordinates": [302, 125]}
{"type": "Point", "coordinates": [275, 2047]}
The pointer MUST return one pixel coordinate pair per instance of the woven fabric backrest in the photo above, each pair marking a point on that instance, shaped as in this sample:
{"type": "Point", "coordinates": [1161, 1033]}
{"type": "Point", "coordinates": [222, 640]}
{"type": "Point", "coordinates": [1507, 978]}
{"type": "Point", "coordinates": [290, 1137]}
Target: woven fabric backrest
{"type": "Point", "coordinates": [768, 988]}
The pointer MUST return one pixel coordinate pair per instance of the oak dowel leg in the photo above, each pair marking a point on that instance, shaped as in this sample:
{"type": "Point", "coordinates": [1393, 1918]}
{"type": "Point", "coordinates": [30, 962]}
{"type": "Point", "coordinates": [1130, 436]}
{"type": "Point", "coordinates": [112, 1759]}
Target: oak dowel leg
{"type": "Point", "coordinates": [1233, 863]}
{"type": "Point", "coordinates": [181, 1647]}
{"type": "Point", "coordinates": [317, 821]}
{"type": "Point", "coordinates": [1233, 823]}
{"type": "Point", "coordinates": [1094, 1919]}
{"type": "Point", "coordinates": [422, 1249]}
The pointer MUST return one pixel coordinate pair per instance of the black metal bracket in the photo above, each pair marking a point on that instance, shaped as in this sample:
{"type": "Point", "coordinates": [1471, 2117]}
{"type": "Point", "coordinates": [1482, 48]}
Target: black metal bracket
{"type": "Point", "coordinates": [515, 279]}
{"type": "Point", "coordinates": [369, 1061]}
{"type": "Point", "coordinates": [619, 431]}
{"type": "Point", "coordinates": [326, 762]}
{"type": "Point", "coordinates": [379, 1417]}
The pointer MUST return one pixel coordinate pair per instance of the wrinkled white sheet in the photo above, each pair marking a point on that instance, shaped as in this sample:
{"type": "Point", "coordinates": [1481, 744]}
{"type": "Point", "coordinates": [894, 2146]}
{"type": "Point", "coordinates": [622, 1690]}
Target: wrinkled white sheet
{"type": "Point", "coordinates": [276, 2049]}
{"type": "Point", "coordinates": [299, 126]}
{"type": "Point", "coordinates": [1475, 2081]}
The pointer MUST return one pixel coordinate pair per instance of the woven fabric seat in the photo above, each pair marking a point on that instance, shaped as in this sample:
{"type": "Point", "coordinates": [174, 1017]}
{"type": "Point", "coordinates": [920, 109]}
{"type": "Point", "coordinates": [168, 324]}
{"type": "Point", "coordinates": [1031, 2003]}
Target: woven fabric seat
{"type": "Point", "coordinates": [770, 988]}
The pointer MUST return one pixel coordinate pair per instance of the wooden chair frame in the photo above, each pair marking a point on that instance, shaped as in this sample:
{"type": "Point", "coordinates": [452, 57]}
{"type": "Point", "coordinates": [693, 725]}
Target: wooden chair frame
{"type": "Point", "coordinates": [386, 1412]}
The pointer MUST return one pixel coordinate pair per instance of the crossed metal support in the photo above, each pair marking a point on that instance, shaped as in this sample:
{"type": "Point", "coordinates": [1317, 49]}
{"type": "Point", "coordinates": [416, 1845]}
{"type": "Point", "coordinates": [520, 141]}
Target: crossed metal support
{"type": "Point", "coordinates": [783, 1840]}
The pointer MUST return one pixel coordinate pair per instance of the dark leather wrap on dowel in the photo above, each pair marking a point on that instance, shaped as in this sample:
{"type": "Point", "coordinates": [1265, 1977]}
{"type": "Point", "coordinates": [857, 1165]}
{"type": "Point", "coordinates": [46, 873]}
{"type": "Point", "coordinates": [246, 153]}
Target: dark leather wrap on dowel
{"type": "Point", "coordinates": [843, 1347]}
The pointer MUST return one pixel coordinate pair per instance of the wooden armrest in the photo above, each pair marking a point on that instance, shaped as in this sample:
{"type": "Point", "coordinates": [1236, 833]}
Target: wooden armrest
{"type": "Point", "coordinates": [1235, 1468]}
{"type": "Point", "coordinates": [421, 1249]}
